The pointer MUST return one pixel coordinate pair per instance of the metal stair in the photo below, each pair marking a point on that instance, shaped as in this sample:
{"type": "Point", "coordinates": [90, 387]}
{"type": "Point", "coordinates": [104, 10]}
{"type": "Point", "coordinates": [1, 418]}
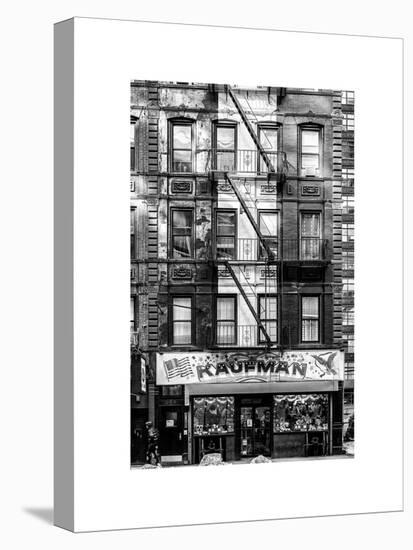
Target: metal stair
{"type": "Point", "coordinates": [250, 129]}
{"type": "Point", "coordinates": [247, 301]}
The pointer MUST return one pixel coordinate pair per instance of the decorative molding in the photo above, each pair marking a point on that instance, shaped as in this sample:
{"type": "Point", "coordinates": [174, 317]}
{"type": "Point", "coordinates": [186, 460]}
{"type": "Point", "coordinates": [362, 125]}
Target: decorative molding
{"type": "Point", "coordinates": [224, 188]}
{"type": "Point", "coordinates": [181, 272]}
{"type": "Point", "coordinates": [310, 190]}
{"type": "Point", "coordinates": [268, 188]}
{"type": "Point", "coordinates": [181, 186]}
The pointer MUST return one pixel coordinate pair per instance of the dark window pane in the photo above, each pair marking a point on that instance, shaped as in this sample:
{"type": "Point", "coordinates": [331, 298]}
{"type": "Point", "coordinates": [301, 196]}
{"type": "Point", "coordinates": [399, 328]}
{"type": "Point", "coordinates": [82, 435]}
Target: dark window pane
{"type": "Point", "coordinates": [182, 247]}
{"type": "Point", "coordinates": [226, 223]}
{"type": "Point", "coordinates": [182, 161]}
{"type": "Point", "coordinates": [310, 225]}
{"type": "Point", "coordinates": [182, 220]}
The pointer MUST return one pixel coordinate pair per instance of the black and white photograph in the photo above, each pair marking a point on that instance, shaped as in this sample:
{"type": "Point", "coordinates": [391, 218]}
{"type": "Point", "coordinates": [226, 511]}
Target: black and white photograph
{"type": "Point", "coordinates": [241, 274]}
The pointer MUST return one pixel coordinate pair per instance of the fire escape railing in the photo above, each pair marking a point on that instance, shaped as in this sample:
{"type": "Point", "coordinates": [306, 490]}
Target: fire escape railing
{"type": "Point", "coordinates": [247, 301]}
{"type": "Point", "coordinates": [250, 129]}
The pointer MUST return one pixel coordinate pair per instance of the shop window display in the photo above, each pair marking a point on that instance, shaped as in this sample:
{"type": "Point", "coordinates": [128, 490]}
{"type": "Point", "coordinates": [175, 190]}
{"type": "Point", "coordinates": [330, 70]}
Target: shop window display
{"type": "Point", "coordinates": [213, 415]}
{"type": "Point", "coordinates": [300, 413]}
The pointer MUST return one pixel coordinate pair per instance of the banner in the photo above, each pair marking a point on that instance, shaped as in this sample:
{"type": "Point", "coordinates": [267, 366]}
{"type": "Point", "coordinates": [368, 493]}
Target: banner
{"type": "Point", "coordinates": [221, 367]}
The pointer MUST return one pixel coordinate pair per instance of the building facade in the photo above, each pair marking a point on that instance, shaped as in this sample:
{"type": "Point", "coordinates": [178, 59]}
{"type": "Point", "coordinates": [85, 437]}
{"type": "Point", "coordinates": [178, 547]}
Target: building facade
{"type": "Point", "coordinates": [239, 238]}
{"type": "Point", "coordinates": [347, 107]}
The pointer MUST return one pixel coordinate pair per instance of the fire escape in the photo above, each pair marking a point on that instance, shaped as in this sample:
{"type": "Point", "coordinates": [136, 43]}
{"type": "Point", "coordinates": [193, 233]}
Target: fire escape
{"type": "Point", "coordinates": [270, 258]}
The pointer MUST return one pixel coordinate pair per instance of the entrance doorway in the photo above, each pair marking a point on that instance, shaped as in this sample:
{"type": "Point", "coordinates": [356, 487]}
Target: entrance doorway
{"type": "Point", "coordinates": [171, 434]}
{"type": "Point", "coordinates": [255, 424]}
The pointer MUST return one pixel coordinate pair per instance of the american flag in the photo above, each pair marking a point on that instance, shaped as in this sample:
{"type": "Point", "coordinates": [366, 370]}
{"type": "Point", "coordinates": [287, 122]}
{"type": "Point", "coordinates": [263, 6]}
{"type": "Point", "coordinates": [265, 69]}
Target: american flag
{"type": "Point", "coordinates": [178, 368]}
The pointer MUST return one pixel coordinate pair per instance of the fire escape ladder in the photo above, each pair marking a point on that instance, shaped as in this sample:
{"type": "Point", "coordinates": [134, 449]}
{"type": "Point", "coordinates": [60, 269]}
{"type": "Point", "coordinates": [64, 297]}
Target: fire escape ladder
{"type": "Point", "coordinates": [250, 306]}
{"type": "Point", "coordinates": [270, 254]}
{"type": "Point", "coordinates": [250, 129]}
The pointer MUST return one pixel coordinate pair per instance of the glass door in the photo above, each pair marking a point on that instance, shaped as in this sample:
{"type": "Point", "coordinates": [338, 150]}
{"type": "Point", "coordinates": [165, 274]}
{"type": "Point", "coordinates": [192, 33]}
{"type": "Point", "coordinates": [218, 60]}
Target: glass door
{"type": "Point", "coordinates": [262, 432]}
{"type": "Point", "coordinates": [247, 431]}
{"type": "Point", "coordinates": [255, 431]}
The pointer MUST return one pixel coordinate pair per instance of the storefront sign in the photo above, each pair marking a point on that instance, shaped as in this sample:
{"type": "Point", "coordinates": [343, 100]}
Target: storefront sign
{"type": "Point", "coordinates": [207, 368]}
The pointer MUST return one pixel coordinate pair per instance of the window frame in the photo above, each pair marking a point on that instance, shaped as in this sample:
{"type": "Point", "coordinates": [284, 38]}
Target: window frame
{"type": "Point", "coordinates": [347, 97]}
{"type": "Point", "coordinates": [172, 124]}
{"type": "Point", "coordinates": [234, 297]}
{"type": "Point", "coordinates": [261, 338]}
{"type": "Point", "coordinates": [348, 122]}
{"type": "Point", "coordinates": [172, 234]}
{"type": "Point", "coordinates": [133, 164]}
{"type": "Point", "coordinates": [190, 321]}
{"type": "Point", "coordinates": [216, 235]}
{"type": "Point", "coordinates": [225, 124]}
{"type": "Point", "coordinates": [133, 232]}
{"type": "Point", "coordinates": [133, 312]}
{"type": "Point", "coordinates": [276, 237]}
{"type": "Point", "coordinates": [302, 319]}
{"type": "Point", "coordinates": [262, 126]}
{"type": "Point", "coordinates": [303, 238]}
{"type": "Point", "coordinates": [320, 130]}
{"type": "Point", "coordinates": [348, 229]}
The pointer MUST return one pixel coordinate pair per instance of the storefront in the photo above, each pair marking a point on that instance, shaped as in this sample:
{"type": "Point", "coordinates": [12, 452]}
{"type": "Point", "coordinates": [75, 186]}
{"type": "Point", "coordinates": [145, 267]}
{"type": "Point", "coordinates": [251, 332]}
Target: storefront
{"type": "Point", "coordinates": [243, 406]}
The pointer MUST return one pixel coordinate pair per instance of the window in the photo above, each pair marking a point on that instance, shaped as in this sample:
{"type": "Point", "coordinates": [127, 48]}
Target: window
{"type": "Point", "coordinates": [268, 136]}
{"type": "Point", "coordinates": [310, 245]}
{"type": "Point", "coordinates": [300, 413]}
{"type": "Point", "coordinates": [348, 204]}
{"type": "Point", "coordinates": [268, 226]}
{"type": "Point", "coordinates": [267, 311]}
{"type": "Point", "coordinates": [347, 98]}
{"type": "Point", "coordinates": [348, 122]}
{"type": "Point", "coordinates": [310, 163]}
{"type": "Point", "coordinates": [182, 233]}
{"type": "Point", "coordinates": [132, 233]}
{"type": "Point", "coordinates": [348, 260]}
{"type": "Point", "coordinates": [213, 414]}
{"type": "Point", "coordinates": [182, 146]}
{"type": "Point", "coordinates": [225, 147]}
{"type": "Point", "coordinates": [310, 318]}
{"type": "Point", "coordinates": [348, 288]}
{"type": "Point", "coordinates": [349, 341]}
{"type": "Point", "coordinates": [226, 234]}
{"type": "Point", "coordinates": [132, 143]}
{"type": "Point", "coordinates": [132, 313]}
{"type": "Point", "coordinates": [348, 316]}
{"type": "Point", "coordinates": [347, 174]}
{"type": "Point", "coordinates": [348, 232]}
{"type": "Point", "coordinates": [226, 320]}
{"type": "Point", "coordinates": [171, 391]}
{"type": "Point", "coordinates": [182, 321]}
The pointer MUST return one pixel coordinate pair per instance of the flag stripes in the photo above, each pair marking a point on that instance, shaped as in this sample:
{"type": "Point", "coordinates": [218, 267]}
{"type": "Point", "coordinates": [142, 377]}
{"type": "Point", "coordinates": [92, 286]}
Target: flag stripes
{"type": "Point", "coordinates": [178, 368]}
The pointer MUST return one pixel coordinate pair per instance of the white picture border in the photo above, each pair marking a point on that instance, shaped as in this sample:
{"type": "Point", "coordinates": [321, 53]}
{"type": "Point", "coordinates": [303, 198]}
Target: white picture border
{"type": "Point", "coordinates": [108, 494]}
